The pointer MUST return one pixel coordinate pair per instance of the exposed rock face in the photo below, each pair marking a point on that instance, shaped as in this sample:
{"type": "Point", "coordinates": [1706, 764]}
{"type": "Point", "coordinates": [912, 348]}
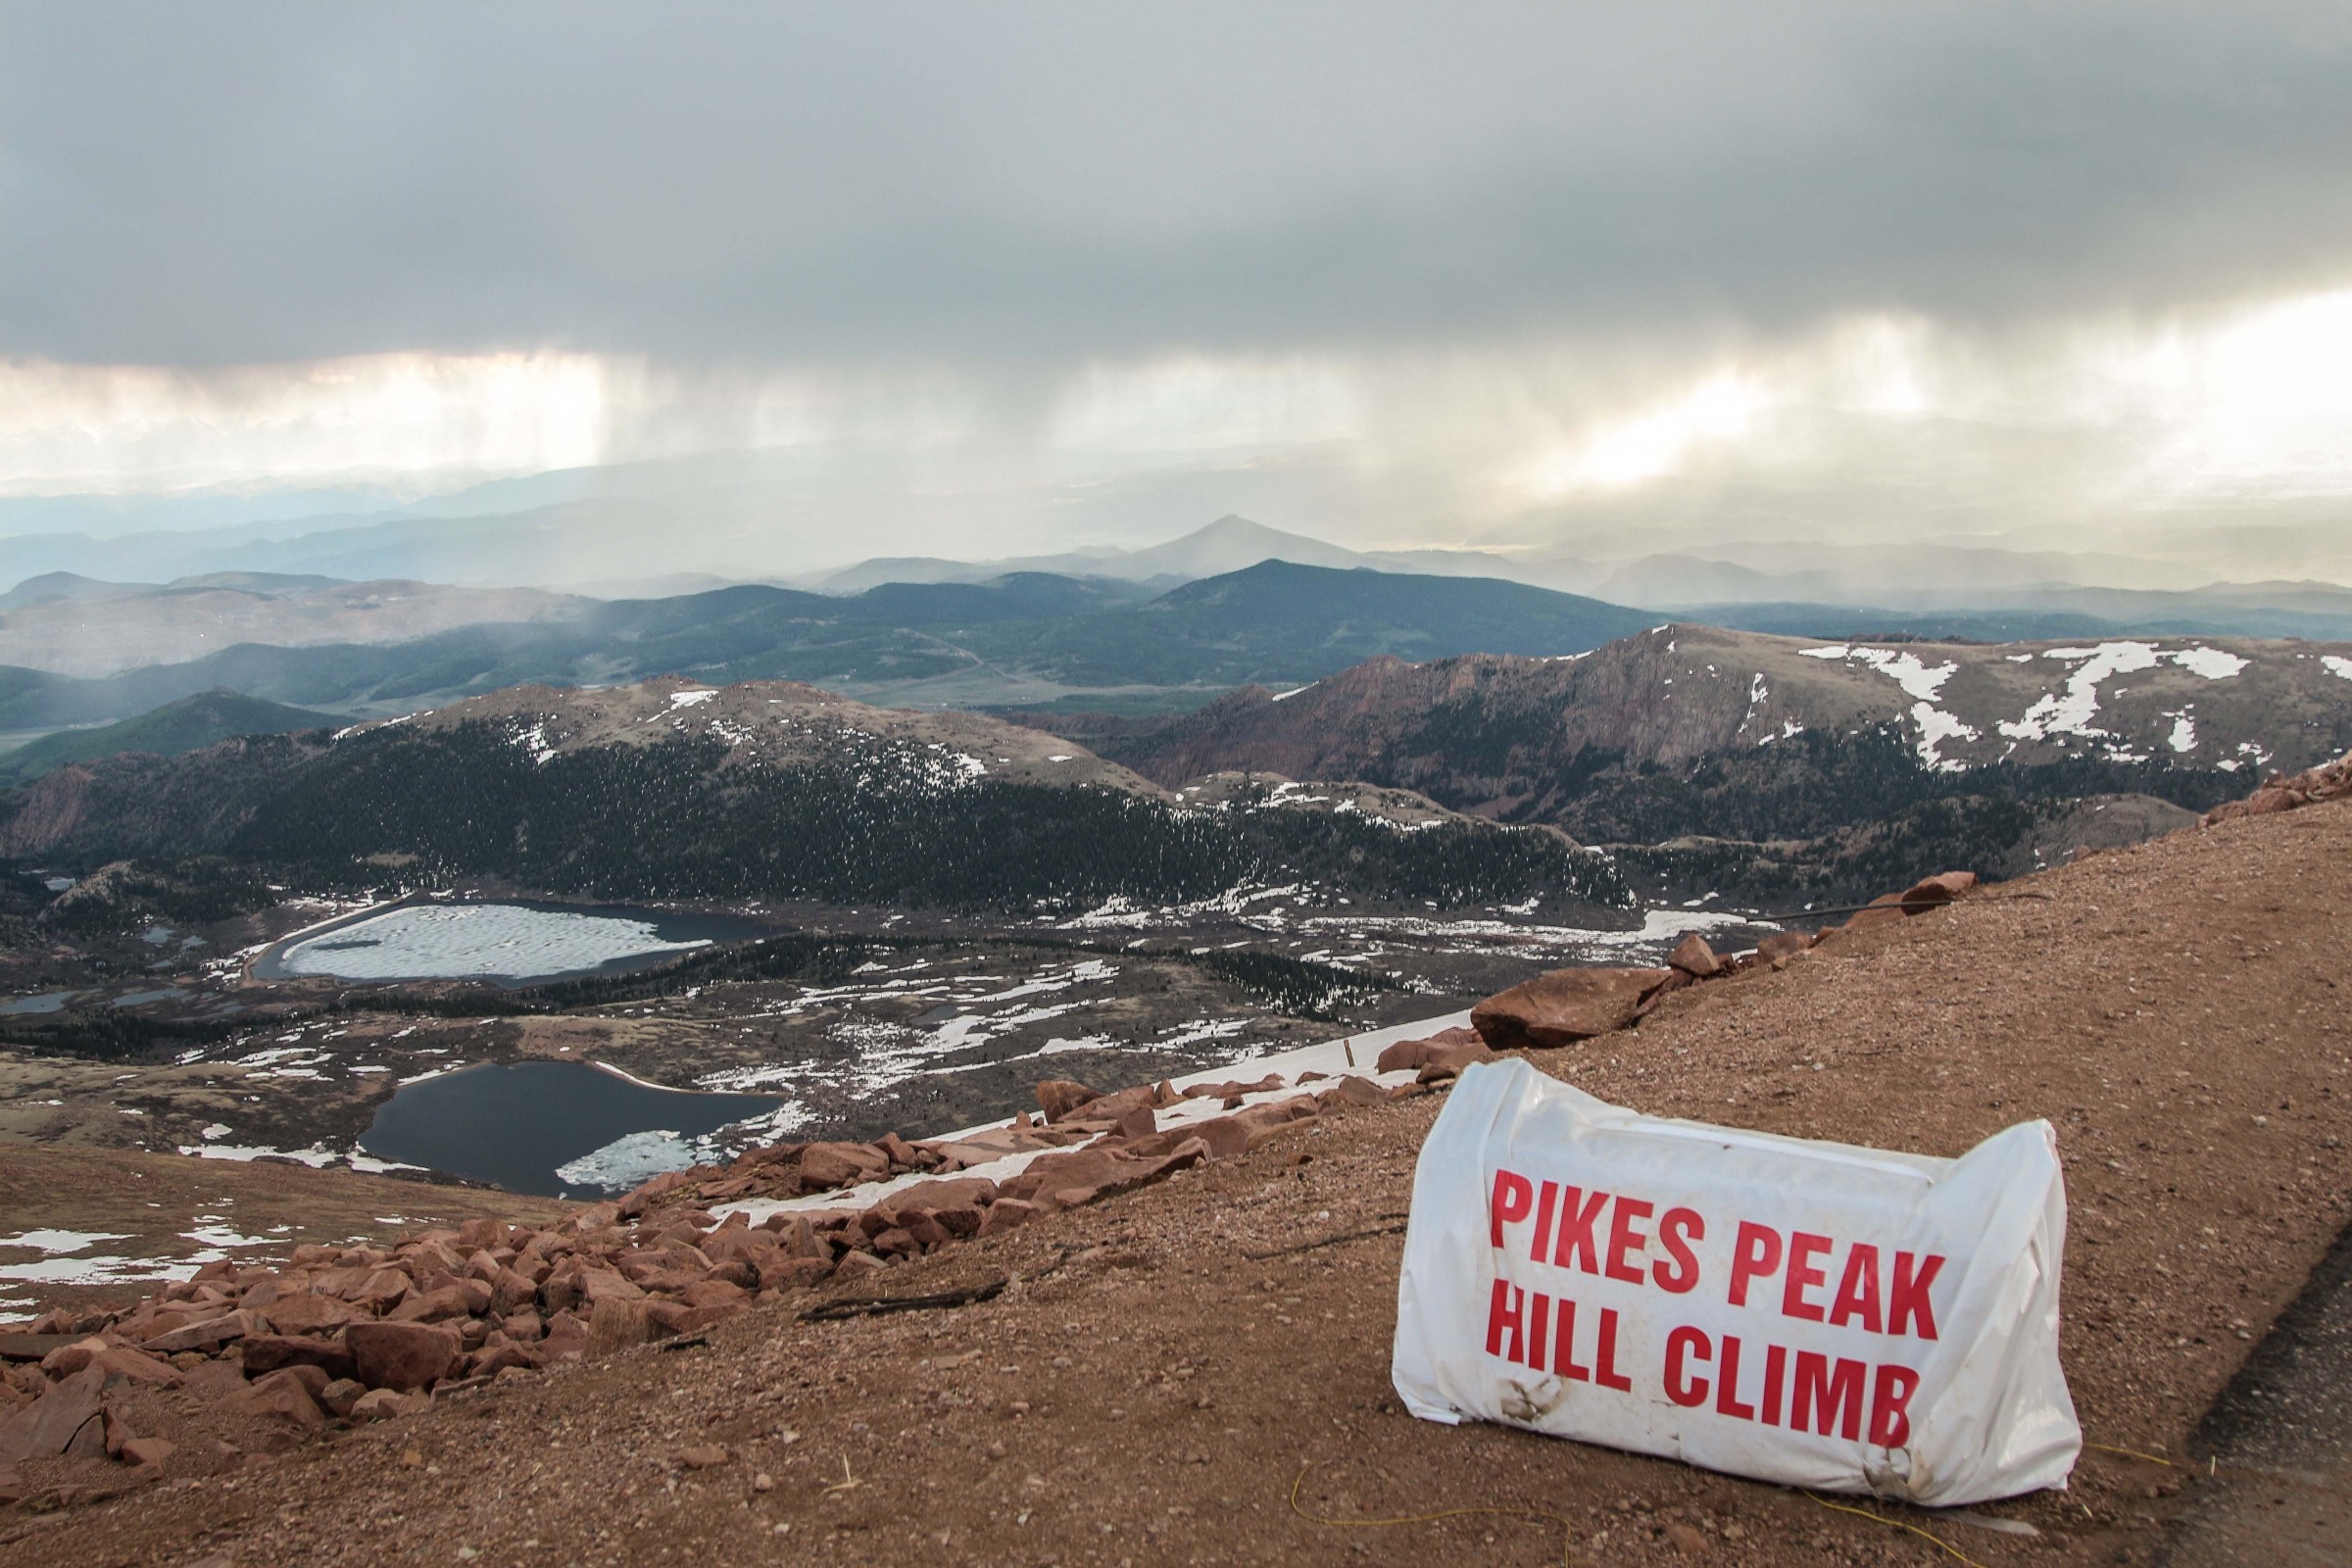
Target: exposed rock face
{"type": "Point", "coordinates": [1694, 958]}
{"type": "Point", "coordinates": [2281, 794]}
{"type": "Point", "coordinates": [1484, 731]}
{"type": "Point", "coordinates": [1564, 1007]}
{"type": "Point", "coordinates": [401, 1356]}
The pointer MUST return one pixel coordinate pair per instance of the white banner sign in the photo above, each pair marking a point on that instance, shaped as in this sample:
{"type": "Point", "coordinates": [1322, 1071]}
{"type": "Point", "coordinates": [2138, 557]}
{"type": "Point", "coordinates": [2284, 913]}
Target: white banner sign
{"type": "Point", "coordinates": [1825, 1316]}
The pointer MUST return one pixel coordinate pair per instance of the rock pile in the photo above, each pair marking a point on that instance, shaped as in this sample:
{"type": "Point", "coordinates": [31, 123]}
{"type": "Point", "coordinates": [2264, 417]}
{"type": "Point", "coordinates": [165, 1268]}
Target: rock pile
{"type": "Point", "coordinates": [1565, 1005]}
{"type": "Point", "coordinates": [2280, 793]}
{"type": "Point", "coordinates": [357, 1333]}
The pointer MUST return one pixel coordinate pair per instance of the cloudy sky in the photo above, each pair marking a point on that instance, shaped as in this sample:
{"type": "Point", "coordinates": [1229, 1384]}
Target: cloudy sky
{"type": "Point", "coordinates": [1511, 275]}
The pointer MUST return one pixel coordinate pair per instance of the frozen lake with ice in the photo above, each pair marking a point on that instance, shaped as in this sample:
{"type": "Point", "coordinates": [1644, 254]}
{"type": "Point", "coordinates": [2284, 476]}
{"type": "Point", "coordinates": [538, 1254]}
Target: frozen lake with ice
{"type": "Point", "coordinates": [512, 943]}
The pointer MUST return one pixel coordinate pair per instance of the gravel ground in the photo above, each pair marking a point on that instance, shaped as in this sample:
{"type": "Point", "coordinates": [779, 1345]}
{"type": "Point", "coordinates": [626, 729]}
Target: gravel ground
{"type": "Point", "coordinates": [1164, 1383]}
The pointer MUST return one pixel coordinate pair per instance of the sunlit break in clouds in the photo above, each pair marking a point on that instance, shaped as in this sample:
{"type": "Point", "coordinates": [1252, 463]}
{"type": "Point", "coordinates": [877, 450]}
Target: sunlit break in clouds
{"type": "Point", "coordinates": [1562, 282]}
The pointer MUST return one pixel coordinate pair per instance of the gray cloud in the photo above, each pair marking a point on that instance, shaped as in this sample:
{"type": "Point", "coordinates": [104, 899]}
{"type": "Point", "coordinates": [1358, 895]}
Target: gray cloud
{"type": "Point", "coordinates": [768, 184]}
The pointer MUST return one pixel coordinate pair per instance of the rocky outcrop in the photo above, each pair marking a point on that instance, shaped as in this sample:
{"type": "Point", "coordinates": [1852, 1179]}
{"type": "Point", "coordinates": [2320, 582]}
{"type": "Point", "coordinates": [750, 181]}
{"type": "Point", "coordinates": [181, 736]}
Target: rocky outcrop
{"type": "Point", "coordinates": [358, 1334]}
{"type": "Point", "coordinates": [1565, 1005]}
{"type": "Point", "coordinates": [2280, 793]}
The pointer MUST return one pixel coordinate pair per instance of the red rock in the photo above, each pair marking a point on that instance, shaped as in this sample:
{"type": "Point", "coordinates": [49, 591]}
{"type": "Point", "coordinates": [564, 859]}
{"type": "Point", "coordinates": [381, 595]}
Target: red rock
{"type": "Point", "coordinates": [1563, 1007]}
{"type": "Point", "coordinates": [145, 1450]}
{"type": "Point", "coordinates": [207, 1334]}
{"type": "Point", "coordinates": [522, 1327]}
{"type": "Point", "coordinates": [512, 1290]}
{"type": "Point", "coordinates": [385, 1404]}
{"type": "Point", "coordinates": [1224, 1137]}
{"type": "Point", "coordinates": [1267, 1121]}
{"type": "Point", "coordinates": [600, 1284]}
{"type": "Point", "coordinates": [383, 1287]}
{"type": "Point", "coordinates": [941, 1193]}
{"type": "Point", "coordinates": [1887, 910]}
{"type": "Point", "coordinates": [1694, 958]}
{"type": "Point", "coordinates": [1441, 1057]}
{"type": "Point", "coordinates": [902, 1155]}
{"type": "Point", "coordinates": [401, 1356]}
{"type": "Point", "coordinates": [1941, 888]}
{"type": "Point", "coordinates": [959, 1220]}
{"type": "Point", "coordinates": [492, 1360]}
{"type": "Point", "coordinates": [310, 1313]}
{"type": "Point", "coordinates": [268, 1353]}
{"type": "Point", "coordinates": [281, 1396]}
{"type": "Point", "coordinates": [1059, 1097]}
{"type": "Point", "coordinates": [1080, 1180]}
{"type": "Point", "coordinates": [49, 1425]}
{"type": "Point", "coordinates": [1233, 1088]}
{"type": "Point", "coordinates": [567, 1340]}
{"type": "Point", "coordinates": [715, 1293]}
{"type": "Point", "coordinates": [431, 1306]}
{"type": "Point", "coordinates": [789, 1273]}
{"type": "Point", "coordinates": [643, 1197]}
{"type": "Point", "coordinates": [1410, 1055]}
{"type": "Point", "coordinates": [617, 1323]}
{"type": "Point", "coordinates": [68, 1360]}
{"type": "Point", "coordinates": [826, 1165]}
{"type": "Point", "coordinates": [481, 1233]}
{"type": "Point", "coordinates": [1350, 1089]}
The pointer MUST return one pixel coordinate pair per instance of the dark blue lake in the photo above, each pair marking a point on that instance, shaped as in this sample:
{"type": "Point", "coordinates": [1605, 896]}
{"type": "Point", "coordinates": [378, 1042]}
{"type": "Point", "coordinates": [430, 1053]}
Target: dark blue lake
{"type": "Point", "coordinates": [556, 1128]}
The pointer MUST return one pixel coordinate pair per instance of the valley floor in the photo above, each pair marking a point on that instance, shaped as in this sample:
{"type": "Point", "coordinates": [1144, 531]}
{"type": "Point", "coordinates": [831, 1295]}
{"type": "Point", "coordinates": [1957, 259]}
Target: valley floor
{"type": "Point", "coordinates": [1190, 1373]}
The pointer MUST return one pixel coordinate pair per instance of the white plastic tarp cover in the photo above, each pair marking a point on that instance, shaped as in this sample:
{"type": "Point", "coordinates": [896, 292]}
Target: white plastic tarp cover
{"type": "Point", "coordinates": [1810, 1313]}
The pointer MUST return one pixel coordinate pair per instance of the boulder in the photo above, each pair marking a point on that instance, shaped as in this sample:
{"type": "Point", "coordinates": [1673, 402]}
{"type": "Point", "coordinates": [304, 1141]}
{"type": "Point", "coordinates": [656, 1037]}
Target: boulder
{"type": "Point", "coordinates": [794, 1273]}
{"type": "Point", "coordinates": [268, 1353]}
{"type": "Point", "coordinates": [207, 1334]}
{"type": "Point", "coordinates": [281, 1396]}
{"type": "Point", "coordinates": [49, 1425]}
{"type": "Point", "coordinates": [1005, 1213]}
{"type": "Point", "coordinates": [118, 1361]}
{"type": "Point", "coordinates": [145, 1452]}
{"type": "Point", "coordinates": [1350, 1089]}
{"type": "Point", "coordinates": [598, 1286]}
{"type": "Point", "coordinates": [433, 1307]}
{"type": "Point", "coordinates": [341, 1395]}
{"type": "Point", "coordinates": [401, 1356]}
{"type": "Point", "coordinates": [824, 1165]}
{"type": "Point", "coordinates": [1439, 1056]}
{"type": "Point", "coordinates": [1886, 909]}
{"type": "Point", "coordinates": [617, 1324]}
{"type": "Point", "coordinates": [1059, 1097]}
{"type": "Point", "coordinates": [1563, 1007]}
{"type": "Point", "coordinates": [1694, 958]}
{"type": "Point", "coordinates": [310, 1313]}
{"type": "Point", "coordinates": [385, 1404]}
{"type": "Point", "coordinates": [1942, 888]}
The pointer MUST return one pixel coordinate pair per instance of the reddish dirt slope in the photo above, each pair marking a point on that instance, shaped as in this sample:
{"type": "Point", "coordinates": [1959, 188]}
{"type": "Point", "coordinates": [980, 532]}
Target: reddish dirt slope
{"type": "Point", "coordinates": [1153, 1385]}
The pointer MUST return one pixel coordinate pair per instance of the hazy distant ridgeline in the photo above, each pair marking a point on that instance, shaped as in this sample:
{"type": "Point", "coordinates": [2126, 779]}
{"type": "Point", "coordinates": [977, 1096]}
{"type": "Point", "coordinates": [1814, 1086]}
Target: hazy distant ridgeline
{"type": "Point", "coordinates": [1019, 638]}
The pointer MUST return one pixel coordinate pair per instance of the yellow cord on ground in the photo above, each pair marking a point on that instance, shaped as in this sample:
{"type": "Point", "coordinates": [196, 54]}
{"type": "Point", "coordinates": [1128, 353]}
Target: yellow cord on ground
{"type": "Point", "coordinates": [1897, 1524]}
{"type": "Point", "coordinates": [1567, 1529]}
{"type": "Point", "coordinates": [2135, 1453]}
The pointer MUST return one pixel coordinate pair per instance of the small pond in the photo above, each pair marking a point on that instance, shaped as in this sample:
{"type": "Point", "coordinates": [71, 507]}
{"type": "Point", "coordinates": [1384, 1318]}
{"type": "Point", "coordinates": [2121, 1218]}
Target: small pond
{"type": "Point", "coordinates": [512, 943]}
{"type": "Point", "coordinates": [556, 1128]}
